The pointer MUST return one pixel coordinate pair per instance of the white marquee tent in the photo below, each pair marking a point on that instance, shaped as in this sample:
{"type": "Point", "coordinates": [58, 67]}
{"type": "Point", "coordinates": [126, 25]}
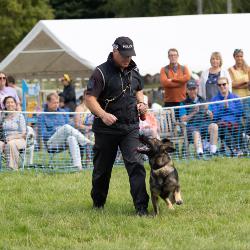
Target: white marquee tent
{"type": "Point", "coordinates": [56, 46]}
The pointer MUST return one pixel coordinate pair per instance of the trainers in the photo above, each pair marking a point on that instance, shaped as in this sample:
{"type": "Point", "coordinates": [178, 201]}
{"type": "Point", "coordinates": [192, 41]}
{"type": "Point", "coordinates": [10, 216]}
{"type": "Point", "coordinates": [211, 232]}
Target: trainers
{"type": "Point", "coordinates": [201, 156]}
{"type": "Point", "coordinates": [143, 212]}
{"type": "Point", "coordinates": [213, 155]}
{"type": "Point", "coordinates": [101, 207]}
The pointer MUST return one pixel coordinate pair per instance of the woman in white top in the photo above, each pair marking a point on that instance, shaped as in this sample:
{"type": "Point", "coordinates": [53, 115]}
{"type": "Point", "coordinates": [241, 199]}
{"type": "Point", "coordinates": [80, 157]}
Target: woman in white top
{"type": "Point", "coordinates": [14, 128]}
{"type": "Point", "coordinates": [208, 82]}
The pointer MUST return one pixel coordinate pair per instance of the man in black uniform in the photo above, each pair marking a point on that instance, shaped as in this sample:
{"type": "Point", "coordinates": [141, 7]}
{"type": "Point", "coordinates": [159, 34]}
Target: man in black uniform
{"type": "Point", "coordinates": [117, 123]}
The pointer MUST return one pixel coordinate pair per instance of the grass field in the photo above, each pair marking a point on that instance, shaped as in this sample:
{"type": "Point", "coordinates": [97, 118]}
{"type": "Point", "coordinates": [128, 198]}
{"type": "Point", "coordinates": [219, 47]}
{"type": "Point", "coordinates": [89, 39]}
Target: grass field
{"type": "Point", "coordinates": [54, 211]}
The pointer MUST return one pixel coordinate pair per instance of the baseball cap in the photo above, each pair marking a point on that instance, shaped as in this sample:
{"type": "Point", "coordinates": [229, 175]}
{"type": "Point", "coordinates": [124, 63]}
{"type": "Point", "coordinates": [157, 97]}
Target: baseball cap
{"type": "Point", "coordinates": [125, 46]}
{"type": "Point", "coordinates": [192, 84]}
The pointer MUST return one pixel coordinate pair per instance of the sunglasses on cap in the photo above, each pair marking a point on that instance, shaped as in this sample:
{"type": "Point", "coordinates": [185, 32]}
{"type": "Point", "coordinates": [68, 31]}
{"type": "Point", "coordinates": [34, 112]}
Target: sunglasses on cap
{"type": "Point", "coordinates": [3, 78]}
{"type": "Point", "coordinates": [223, 84]}
{"type": "Point", "coordinates": [238, 50]}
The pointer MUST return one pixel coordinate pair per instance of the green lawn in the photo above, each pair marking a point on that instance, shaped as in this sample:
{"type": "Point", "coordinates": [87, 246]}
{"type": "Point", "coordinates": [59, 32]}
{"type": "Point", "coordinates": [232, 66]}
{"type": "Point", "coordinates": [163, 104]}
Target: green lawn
{"type": "Point", "coordinates": [54, 211]}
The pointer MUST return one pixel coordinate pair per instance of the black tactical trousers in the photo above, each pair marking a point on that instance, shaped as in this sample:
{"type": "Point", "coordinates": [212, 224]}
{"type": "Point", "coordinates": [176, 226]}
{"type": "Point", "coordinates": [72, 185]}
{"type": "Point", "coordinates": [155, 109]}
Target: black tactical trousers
{"type": "Point", "coordinates": [105, 150]}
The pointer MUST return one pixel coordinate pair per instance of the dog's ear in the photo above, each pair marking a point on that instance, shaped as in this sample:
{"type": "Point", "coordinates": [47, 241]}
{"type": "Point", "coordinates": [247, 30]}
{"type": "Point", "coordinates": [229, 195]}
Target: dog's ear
{"type": "Point", "coordinates": [169, 149]}
{"type": "Point", "coordinates": [142, 137]}
{"type": "Point", "coordinates": [167, 142]}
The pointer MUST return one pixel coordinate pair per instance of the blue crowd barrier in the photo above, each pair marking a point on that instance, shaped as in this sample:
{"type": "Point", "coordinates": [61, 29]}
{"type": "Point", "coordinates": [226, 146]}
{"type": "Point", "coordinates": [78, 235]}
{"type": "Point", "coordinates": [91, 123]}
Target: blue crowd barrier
{"type": "Point", "coordinates": [218, 129]}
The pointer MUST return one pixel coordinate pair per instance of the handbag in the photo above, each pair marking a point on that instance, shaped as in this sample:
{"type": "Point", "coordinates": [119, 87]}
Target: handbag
{"type": "Point", "coordinates": [230, 125]}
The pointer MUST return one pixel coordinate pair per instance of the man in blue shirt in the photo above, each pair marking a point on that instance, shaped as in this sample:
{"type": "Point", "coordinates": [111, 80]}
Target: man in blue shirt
{"type": "Point", "coordinates": [56, 130]}
{"type": "Point", "coordinates": [199, 120]}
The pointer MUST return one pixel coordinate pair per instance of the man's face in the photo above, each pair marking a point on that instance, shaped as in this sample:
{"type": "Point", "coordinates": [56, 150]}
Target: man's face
{"type": "Point", "coordinates": [192, 92]}
{"type": "Point", "coordinates": [121, 62]}
{"type": "Point", "coordinates": [53, 104]}
{"type": "Point", "coordinates": [11, 84]}
{"type": "Point", "coordinates": [223, 86]}
{"type": "Point", "coordinates": [173, 57]}
{"type": "Point", "coordinates": [61, 104]}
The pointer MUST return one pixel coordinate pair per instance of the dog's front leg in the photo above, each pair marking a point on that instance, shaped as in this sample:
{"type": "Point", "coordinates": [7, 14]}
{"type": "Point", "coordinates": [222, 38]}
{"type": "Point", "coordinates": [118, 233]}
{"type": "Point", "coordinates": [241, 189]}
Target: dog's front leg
{"type": "Point", "coordinates": [169, 204]}
{"type": "Point", "coordinates": [177, 195]}
{"type": "Point", "coordinates": [155, 201]}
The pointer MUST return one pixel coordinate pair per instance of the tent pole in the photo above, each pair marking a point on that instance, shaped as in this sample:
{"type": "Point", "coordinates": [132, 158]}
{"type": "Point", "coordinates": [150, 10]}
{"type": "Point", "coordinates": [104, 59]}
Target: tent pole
{"type": "Point", "coordinates": [229, 6]}
{"type": "Point", "coordinates": [199, 7]}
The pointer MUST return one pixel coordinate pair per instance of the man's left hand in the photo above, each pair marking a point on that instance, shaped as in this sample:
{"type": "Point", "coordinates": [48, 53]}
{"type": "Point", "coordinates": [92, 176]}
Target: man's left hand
{"type": "Point", "coordinates": [206, 108]}
{"type": "Point", "coordinates": [142, 108]}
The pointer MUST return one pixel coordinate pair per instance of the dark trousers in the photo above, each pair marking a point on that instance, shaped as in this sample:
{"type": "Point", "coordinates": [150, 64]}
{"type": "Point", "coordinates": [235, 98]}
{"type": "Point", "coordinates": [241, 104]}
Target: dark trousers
{"type": "Point", "coordinates": [233, 138]}
{"type": "Point", "coordinates": [176, 111]}
{"type": "Point", "coordinates": [105, 150]}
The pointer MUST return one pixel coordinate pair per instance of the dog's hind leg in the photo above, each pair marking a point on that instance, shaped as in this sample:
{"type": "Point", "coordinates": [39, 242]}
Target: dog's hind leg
{"type": "Point", "coordinates": [177, 195]}
{"type": "Point", "coordinates": [155, 201]}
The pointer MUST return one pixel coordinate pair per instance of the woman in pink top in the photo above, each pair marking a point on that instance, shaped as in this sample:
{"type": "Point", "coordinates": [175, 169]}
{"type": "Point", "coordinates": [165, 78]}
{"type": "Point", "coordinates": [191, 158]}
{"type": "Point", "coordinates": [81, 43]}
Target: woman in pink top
{"type": "Point", "coordinates": [5, 91]}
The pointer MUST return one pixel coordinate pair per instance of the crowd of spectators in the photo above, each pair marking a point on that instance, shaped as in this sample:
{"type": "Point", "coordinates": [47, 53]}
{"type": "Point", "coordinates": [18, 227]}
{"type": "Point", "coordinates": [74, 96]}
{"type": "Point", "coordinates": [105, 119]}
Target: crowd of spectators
{"type": "Point", "coordinates": [55, 130]}
{"type": "Point", "coordinates": [226, 121]}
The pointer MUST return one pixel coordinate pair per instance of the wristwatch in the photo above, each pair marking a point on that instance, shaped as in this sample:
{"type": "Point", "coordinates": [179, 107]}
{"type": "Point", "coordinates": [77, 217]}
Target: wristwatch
{"type": "Point", "coordinates": [144, 103]}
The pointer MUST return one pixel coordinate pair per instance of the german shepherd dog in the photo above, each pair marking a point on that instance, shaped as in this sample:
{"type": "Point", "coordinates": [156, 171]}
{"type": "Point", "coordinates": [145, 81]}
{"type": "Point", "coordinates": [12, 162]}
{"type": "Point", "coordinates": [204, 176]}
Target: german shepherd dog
{"type": "Point", "coordinates": [163, 174]}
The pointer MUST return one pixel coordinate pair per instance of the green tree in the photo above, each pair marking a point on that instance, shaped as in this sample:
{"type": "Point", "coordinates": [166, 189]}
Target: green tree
{"type": "Point", "coordinates": [17, 18]}
{"type": "Point", "coordinates": [80, 9]}
{"type": "Point", "coordinates": [189, 7]}
{"type": "Point", "coordinates": [241, 6]}
{"type": "Point", "coordinates": [144, 8]}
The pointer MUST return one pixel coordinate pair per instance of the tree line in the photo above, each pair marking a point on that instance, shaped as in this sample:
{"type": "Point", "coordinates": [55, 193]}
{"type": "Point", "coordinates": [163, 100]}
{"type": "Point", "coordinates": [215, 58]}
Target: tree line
{"type": "Point", "coordinates": [18, 17]}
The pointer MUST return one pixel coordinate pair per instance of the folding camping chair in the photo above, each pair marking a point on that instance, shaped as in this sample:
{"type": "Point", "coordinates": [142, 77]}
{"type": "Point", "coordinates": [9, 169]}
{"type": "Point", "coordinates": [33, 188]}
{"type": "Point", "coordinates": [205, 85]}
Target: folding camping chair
{"type": "Point", "coordinates": [51, 152]}
{"type": "Point", "coordinates": [169, 128]}
{"type": "Point", "coordinates": [30, 146]}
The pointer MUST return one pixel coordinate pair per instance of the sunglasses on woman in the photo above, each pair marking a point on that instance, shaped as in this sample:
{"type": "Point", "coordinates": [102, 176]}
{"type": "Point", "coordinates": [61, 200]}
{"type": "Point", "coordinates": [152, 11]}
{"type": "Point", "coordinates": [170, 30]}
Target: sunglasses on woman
{"type": "Point", "coordinates": [3, 78]}
{"type": "Point", "coordinates": [238, 50]}
{"type": "Point", "coordinates": [223, 84]}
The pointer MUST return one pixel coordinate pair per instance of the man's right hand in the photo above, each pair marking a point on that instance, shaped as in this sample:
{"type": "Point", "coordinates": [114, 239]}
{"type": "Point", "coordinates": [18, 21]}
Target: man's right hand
{"type": "Point", "coordinates": [109, 119]}
{"type": "Point", "coordinates": [196, 109]}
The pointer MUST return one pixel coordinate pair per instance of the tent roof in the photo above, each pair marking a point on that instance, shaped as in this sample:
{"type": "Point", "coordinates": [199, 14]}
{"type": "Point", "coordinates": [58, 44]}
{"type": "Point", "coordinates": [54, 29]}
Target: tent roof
{"type": "Point", "coordinates": [82, 44]}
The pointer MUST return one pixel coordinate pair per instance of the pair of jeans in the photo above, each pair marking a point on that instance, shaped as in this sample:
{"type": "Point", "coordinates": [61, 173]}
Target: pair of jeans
{"type": "Point", "coordinates": [105, 151]}
{"type": "Point", "coordinates": [72, 138]}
